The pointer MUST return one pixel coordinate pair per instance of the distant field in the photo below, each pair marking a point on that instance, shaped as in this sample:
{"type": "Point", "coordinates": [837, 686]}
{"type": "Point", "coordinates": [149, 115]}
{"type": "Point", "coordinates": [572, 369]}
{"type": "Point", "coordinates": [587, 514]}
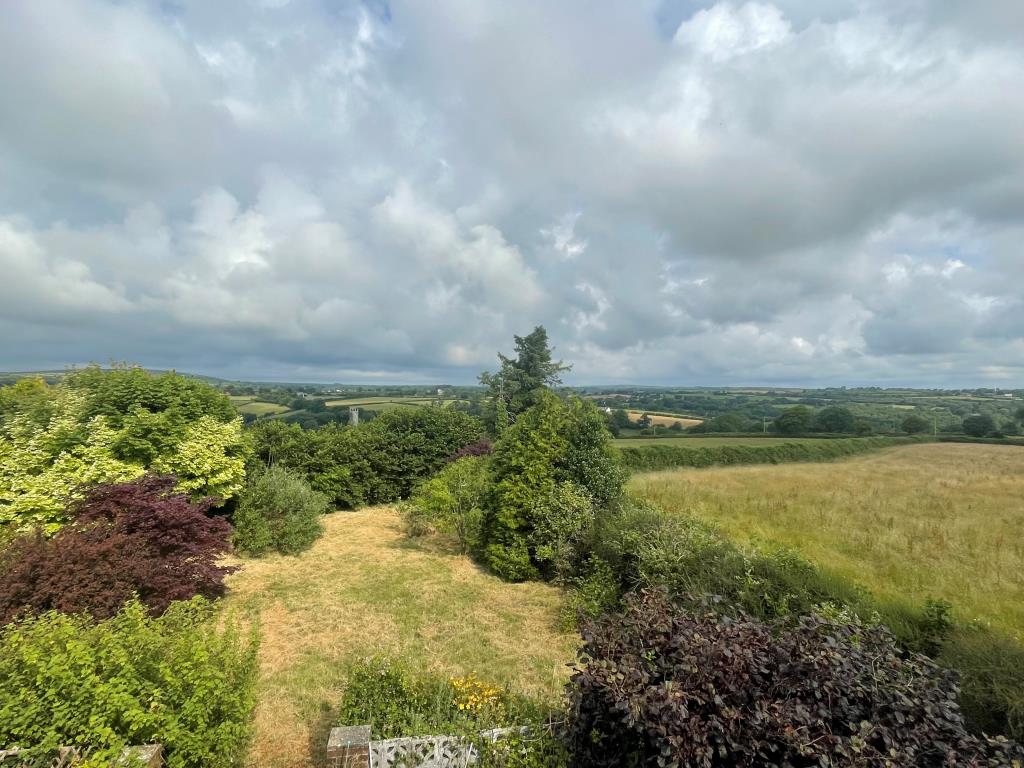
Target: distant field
{"type": "Point", "coordinates": [931, 520]}
{"type": "Point", "coordinates": [697, 442]}
{"type": "Point", "coordinates": [665, 420]}
{"type": "Point", "coordinates": [258, 407]}
{"type": "Point", "coordinates": [384, 403]}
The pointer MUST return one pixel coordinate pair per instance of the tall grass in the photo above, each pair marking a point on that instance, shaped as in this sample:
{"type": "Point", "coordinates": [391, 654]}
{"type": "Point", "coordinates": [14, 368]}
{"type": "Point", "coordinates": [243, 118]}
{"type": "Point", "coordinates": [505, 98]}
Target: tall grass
{"type": "Point", "coordinates": [926, 521]}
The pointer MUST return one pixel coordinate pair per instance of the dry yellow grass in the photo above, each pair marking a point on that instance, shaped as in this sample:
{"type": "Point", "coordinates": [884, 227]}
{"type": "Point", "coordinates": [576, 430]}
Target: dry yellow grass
{"type": "Point", "coordinates": [365, 589]}
{"type": "Point", "coordinates": [664, 421]}
{"type": "Point", "coordinates": [942, 520]}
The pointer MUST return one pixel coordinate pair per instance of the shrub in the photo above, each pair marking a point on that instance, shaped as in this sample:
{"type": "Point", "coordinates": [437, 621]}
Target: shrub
{"type": "Point", "coordinates": [481, 447]}
{"type": "Point", "coordinates": [377, 462]}
{"type": "Point", "coordinates": [451, 502]}
{"type": "Point", "coordinates": [384, 694]}
{"type": "Point", "coordinates": [278, 511]}
{"type": "Point", "coordinates": [657, 685]}
{"type": "Point", "coordinates": [185, 680]}
{"type": "Point", "coordinates": [139, 537]}
{"type": "Point", "coordinates": [111, 426]}
{"type": "Point", "coordinates": [553, 442]}
{"type": "Point", "coordinates": [565, 518]}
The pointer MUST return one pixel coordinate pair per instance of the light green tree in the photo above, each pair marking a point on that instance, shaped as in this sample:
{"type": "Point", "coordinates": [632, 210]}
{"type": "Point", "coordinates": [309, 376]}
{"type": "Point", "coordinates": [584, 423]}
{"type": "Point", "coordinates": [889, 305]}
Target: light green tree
{"type": "Point", "coordinates": [210, 461]}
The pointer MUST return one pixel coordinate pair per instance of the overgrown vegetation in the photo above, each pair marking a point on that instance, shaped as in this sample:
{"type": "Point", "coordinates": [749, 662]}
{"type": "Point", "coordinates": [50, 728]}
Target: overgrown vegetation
{"type": "Point", "coordinates": [661, 684]}
{"type": "Point", "coordinates": [914, 540]}
{"type": "Point", "coordinates": [178, 680]}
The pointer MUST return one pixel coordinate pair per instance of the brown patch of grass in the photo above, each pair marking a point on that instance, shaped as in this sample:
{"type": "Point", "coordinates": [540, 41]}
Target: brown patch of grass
{"type": "Point", "coordinates": [365, 589]}
{"type": "Point", "coordinates": [933, 520]}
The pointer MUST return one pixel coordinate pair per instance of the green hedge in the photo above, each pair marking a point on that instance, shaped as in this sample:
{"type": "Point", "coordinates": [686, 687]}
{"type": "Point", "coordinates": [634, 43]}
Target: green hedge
{"type": "Point", "coordinates": [653, 457]}
{"type": "Point", "coordinates": [179, 680]}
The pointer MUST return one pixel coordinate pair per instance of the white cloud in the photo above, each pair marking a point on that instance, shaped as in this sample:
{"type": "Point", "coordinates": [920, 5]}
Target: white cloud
{"type": "Point", "coordinates": [775, 191]}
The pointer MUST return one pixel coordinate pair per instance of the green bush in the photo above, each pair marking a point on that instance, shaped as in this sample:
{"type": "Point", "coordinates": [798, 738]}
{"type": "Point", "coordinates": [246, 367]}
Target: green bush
{"type": "Point", "coordinates": [178, 680]}
{"type": "Point", "coordinates": [451, 502]}
{"type": "Point", "coordinates": [555, 441]}
{"type": "Point", "coordinates": [375, 463]}
{"type": "Point", "coordinates": [644, 458]}
{"type": "Point", "coordinates": [278, 511]}
{"type": "Point", "coordinates": [565, 519]}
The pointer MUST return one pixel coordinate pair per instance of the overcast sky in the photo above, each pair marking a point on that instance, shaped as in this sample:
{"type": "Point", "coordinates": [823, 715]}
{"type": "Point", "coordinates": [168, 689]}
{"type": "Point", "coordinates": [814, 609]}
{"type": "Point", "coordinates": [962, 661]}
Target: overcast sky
{"type": "Point", "coordinates": [798, 192]}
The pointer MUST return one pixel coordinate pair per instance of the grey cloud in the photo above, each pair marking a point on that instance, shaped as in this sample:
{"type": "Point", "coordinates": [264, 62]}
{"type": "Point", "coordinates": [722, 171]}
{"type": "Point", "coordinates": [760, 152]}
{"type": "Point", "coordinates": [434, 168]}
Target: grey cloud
{"type": "Point", "coordinates": [697, 192]}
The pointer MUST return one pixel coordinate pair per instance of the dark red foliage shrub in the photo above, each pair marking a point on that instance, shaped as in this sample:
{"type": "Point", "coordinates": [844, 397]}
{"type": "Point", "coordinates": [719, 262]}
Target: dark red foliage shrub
{"type": "Point", "coordinates": [139, 537]}
{"type": "Point", "coordinates": [481, 447]}
{"type": "Point", "coordinates": [660, 686]}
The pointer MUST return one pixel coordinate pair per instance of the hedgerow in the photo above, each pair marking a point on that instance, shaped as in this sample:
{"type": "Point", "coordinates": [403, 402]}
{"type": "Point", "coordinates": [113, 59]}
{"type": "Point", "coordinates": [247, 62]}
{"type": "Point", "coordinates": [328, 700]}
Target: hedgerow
{"type": "Point", "coordinates": [184, 680]}
{"type": "Point", "coordinates": [659, 685]}
{"type": "Point", "coordinates": [375, 463]}
{"type": "Point", "coordinates": [654, 457]}
{"type": "Point", "coordinates": [140, 537]}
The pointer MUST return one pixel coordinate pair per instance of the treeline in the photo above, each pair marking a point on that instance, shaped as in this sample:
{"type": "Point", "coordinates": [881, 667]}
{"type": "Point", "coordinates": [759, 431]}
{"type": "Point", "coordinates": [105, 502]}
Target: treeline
{"type": "Point", "coordinates": [374, 463]}
{"type": "Point", "coordinates": [654, 457]}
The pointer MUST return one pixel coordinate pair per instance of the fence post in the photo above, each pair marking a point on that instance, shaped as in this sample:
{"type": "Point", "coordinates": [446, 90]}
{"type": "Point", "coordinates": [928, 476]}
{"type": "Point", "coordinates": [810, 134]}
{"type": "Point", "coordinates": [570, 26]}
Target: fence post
{"type": "Point", "coordinates": [349, 747]}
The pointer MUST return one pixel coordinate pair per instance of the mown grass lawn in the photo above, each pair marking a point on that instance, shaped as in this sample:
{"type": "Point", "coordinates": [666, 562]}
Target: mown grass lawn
{"type": "Point", "coordinates": [365, 589]}
{"type": "Point", "coordinates": [939, 520]}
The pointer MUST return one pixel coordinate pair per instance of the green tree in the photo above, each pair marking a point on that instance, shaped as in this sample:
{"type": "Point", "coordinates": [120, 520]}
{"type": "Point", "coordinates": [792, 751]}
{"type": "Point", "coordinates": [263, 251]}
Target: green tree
{"type": "Point", "coordinates": [644, 422]}
{"type": "Point", "coordinates": [914, 424]}
{"type": "Point", "coordinates": [621, 418]}
{"type": "Point", "coordinates": [835, 418]}
{"type": "Point", "coordinates": [518, 383]}
{"type": "Point", "coordinates": [555, 441]}
{"type": "Point", "coordinates": [793, 421]}
{"type": "Point", "coordinates": [451, 502]}
{"type": "Point", "coordinates": [979, 425]}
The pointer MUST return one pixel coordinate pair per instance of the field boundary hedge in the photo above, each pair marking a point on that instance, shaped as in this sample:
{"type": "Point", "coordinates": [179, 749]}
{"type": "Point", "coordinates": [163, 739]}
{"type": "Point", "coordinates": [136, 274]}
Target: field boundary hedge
{"type": "Point", "coordinates": [654, 457]}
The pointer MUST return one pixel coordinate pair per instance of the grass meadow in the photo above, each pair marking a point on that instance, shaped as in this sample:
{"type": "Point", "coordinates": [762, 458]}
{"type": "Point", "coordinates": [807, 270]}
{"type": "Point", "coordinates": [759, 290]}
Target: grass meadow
{"type": "Point", "coordinates": [260, 408]}
{"type": "Point", "coordinates": [929, 520]}
{"type": "Point", "coordinates": [365, 589]}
